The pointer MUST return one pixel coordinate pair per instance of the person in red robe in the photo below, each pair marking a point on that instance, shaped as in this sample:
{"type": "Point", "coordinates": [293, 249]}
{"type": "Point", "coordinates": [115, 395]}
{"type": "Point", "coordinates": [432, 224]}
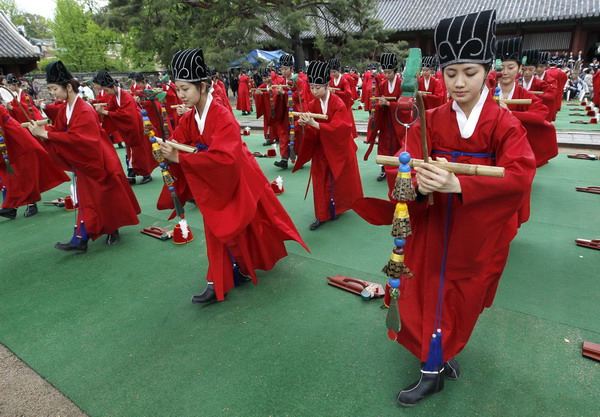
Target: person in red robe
{"type": "Point", "coordinates": [27, 171]}
{"type": "Point", "coordinates": [125, 117]}
{"type": "Point", "coordinates": [244, 224]}
{"type": "Point", "coordinates": [329, 144]}
{"type": "Point", "coordinates": [540, 132]}
{"type": "Point", "coordinates": [263, 100]}
{"type": "Point", "coordinates": [22, 107]}
{"type": "Point", "coordinates": [243, 99]}
{"type": "Point", "coordinates": [219, 89]}
{"type": "Point", "coordinates": [105, 199]}
{"type": "Point", "coordinates": [596, 88]}
{"type": "Point", "coordinates": [543, 75]}
{"type": "Point", "coordinates": [459, 245]}
{"type": "Point", "coordinates": [429, 86]}
{"type": "Point", "coordinates": [388, 117]}
{"type": "Point", "coordinates": [341, 87]}
{"type": "Point", "coordinates": [365, 92]}
{"type": "Point", "coordinates": [171, 99]}
{"type": "Point", "coordinates": [537, 85]}
{"type": "Point", "coordinates": [352, 78]}
{"type": "Point", "coordinates": [561, 78]}
{"type": "Point", "coordinates": [141, 92]}
{"type": "Point", "coordinates": [300, 97]}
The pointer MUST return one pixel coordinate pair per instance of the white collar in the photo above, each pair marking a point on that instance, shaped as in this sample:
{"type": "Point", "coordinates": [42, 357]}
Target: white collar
{"type": "Point", "coordinates": [325, 104]}
{"type": "Point", "coordinates": [426, 82]}
{"type": "Point", "coordinates": [336, 81]}
{"type": "Point", "coordinates": [527, 86]}
{"type": "Point", "coordinates": [467, 126]}
{"type": "Point", "coordinates": [542, 77]}
{"type": "Point", "coordinates": [510, 94]}
{"type": "Point", "coordinates": [70, 110]}
{"type": "Point", "coordinates": [201, 120]}
{"type": "Point", "coordinates": [392, 85]}
{"type": "Point", "coordinates": [119, 96]}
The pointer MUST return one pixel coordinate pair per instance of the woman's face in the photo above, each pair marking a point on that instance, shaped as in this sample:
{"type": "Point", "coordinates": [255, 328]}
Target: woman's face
{"type": "Point", "coordinates": [110, 90]}
{"type": "Point", "coordinates": [510, 72]}
{"type": "Point", "coordinates": [464, 82]}
{"type": "Point", "coordinates": [528, 72]}
{"type": "Point", "coordinates": [188, 93]}
{"type": "Point", "coordinates": [389, 75]}
{"type": "Point", "coordinates": [59, 92]}
{"type": "Point", "coordinates": [319, 91]}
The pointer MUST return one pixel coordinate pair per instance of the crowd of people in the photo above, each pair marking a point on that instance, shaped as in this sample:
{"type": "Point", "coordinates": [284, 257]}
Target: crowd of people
{"type": "Point", "coordinates": [451, 254]}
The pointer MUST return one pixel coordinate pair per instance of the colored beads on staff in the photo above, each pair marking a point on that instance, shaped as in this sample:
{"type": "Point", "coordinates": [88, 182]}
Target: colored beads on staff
{"type": "Point", "coordinates": [4, 152]}
{"type": "Point", "coordinates": [292, 126]}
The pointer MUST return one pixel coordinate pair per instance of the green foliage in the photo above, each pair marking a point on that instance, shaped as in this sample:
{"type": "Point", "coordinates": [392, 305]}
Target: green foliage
{"type": "Point", "coordinates": [36, 26]}
{"type": "Point", "coordinates": [81, 44]}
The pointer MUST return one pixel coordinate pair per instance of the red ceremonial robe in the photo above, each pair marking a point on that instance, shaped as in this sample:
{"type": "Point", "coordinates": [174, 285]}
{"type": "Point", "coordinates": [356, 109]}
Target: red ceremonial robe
{"type": "Point", "coordinates": [437, 93]}
{"type": "Point", "coordinates": [242, 216]}
{"type": "Point", "coordinates": [547, 96]}
{"type": "Point", "coordinates": [334, 168]}
{"type": "Point", "coordinates": [391, 133]}
{"type": "Point", "coordinates": [365, 92]}
{"type": "Point", "coordinates": [300, 98]}
{"type": "Point", "coordinates": [127, 120]}
{"type": "Point", "coordinates": [27, 104]}
{"type": "Point", "coordinates": [596, 87]}
{"type": "Point", "coordinates": [540, 132]}
{"type": "Point", "coordinates": [106, 201]}
{"type": "Point", "coordinates": [352, 82]}
{"type": "Point", "coordinates": [346, 95]}
{"type": "Point", "coordinates": [265, 104]}
{"type": "Point", "coordinates": [484, 219]}
{"type": "Point", "coordinates": [172, 99]}
{"type": "Point", "coordinates": [243, 99]}
{"type": "Point", "coordinates": [33, 170]}
{"type": "Point", "coordinates": [219, 91]}
{"type": "Point", "coordinates": [561, 79]}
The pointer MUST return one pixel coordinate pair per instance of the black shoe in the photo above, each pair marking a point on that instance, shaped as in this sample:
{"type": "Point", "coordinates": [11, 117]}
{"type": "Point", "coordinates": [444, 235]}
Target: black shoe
{"type": "Point", "coordinates": [283, 164]}
{"type": "Point", "coordinates": [315, 225]}
{"type": "Point", "coordinates": [9, 213]}
{"type": "Point", "coordinates": [146, 179]}
{"type": "Point", "coordinates": [131, 180]}
{"type": "Point", "coordinates": [31, 210]}
{"type": "Point", "coordinates": [72, 247]}
{"type": "Point", "coordinates": [208, 296]}
{"type": "Point", "coordinates": [430, 383]}
{"type": "Point", "coordinates": [381, 176]}
{"type": "Point", "coordinates": [268, 143]}
{"type": "Point", "coordinates": [120, 145]}
{"type": "Point", "coordinates": [113, 238]}
{"type": "Point", "coordinates": [452, 369]}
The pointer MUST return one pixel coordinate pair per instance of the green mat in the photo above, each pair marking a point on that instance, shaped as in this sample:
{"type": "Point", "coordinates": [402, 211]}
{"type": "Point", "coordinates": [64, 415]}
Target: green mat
{"type": "Point", "coordinates": [115, 331]}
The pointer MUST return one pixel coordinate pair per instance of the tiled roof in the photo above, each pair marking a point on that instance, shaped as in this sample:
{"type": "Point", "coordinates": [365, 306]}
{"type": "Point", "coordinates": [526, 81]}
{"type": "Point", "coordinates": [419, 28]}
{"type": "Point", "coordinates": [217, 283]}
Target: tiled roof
{"type": "Point", "coordinates": [410, 15]}
{"type": "Point", "coordinates": [12, 44]}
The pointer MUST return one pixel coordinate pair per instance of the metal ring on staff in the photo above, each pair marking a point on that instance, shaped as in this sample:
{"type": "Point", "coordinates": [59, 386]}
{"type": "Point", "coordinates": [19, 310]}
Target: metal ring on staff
{"type": "Point", "coordinates": [416, 109]}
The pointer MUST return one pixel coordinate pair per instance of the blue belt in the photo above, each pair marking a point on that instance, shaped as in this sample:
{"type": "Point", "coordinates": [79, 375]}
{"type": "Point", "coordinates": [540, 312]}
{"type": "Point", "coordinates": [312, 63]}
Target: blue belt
{"type": "Point", "coordinates": [456, 154]}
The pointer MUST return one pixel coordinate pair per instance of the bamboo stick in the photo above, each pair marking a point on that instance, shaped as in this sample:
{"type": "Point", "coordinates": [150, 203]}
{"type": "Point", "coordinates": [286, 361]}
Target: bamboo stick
{"type": "Point", "coordinates": [313, 115]}
{"type": "Point", "coordinates": [387, 98]}
{"type": "Point", "coordinates": [525, 101]}
{"type": "Point", "coordinates": [454, 167]}
{"type": "Point", "coordinates": [45, 122]}
{"type": "Point", "coordinates": [101, 104]}
{"type": "Point", "coordinates": [425, 92]}
{"type": "Point", "coordinates": [178, 146]}
{"type": "Point", "coordinates": [537, 92]}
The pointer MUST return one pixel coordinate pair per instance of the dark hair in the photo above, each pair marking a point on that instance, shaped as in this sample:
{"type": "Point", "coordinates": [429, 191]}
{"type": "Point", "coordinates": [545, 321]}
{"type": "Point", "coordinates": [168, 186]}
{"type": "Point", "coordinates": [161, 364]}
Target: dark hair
{"type": "Point", "coordinates": [74, 83]}
{"type": "Point", "coordinates": [198, 84]}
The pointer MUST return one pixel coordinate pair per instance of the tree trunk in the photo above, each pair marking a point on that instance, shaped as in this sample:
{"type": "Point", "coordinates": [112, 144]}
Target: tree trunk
{"type": "Point", "coordinates": [298, 51]}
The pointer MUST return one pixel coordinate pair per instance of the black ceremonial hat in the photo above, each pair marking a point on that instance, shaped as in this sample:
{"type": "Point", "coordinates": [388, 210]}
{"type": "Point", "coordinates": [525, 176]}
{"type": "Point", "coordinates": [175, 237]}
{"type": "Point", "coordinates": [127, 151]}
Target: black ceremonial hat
{"type": "Point", "coordinates": [138, 77]}
{"type": "Point", "coordinates": [467, 38]}
{"type": "Point", "coordinates": [264, 72]}
{"type": "Point", "coordinates": [510, 49]}
{"type": "Point", "coordinates": [188, 65]}
{"type": "Point", "coordinates": [286, 60]}
{"type": "Point", "coordinates": [427, 61]}
{"type": "Point", "coordinates": [334, 64]}
{"type": "Point", "coordinates": [389, 61]}
{"type": "Point", "coordinates": [544, 58]}
{"type": "Point", "coordinates": [12, 79]}
{"type": "Point", "coordinates": [104, 79]}
{"type": "Point", "coordinates": [57, 73]}
{"type": "Point", "coordinates": [318, 73]}
{"type": "Point", "coordinates": [531, 57]}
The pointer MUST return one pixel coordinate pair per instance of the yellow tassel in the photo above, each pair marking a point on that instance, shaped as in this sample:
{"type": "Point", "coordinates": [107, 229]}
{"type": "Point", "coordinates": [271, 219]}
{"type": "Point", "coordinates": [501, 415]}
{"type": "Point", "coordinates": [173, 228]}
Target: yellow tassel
{"type": "Point", "coordinates": [401, 224]}
{"type": "Point", "coordinates": [403, 188]}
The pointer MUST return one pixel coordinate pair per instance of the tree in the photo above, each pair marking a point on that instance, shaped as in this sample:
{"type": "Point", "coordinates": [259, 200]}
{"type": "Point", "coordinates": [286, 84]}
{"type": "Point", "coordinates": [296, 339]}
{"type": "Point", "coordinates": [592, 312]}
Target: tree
{"type": "Point", "coordinates": [228, 29]}
{"type": "Point", "coordinates": [81, 44]}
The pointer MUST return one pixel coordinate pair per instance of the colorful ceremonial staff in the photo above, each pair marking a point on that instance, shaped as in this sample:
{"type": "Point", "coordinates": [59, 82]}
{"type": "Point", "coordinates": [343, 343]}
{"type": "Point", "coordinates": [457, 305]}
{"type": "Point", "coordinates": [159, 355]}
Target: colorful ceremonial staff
{"type": "Point", "coordinates": [292, 126]}
{"type": "Point", "coordinates": [4, 152]}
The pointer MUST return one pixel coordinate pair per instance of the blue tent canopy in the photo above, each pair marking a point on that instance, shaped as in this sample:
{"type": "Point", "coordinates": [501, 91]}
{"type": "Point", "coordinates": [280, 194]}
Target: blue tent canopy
{"type": "Point", "coordinates": [255, 57]}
